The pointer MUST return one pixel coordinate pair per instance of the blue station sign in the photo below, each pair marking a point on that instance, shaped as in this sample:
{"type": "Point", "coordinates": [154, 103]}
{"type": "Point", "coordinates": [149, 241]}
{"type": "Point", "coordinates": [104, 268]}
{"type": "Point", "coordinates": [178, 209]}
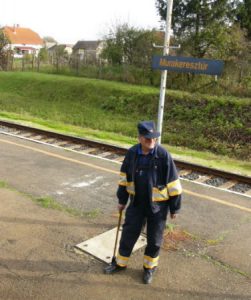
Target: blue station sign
{"type": "Point", "coordinates": [188, 65]}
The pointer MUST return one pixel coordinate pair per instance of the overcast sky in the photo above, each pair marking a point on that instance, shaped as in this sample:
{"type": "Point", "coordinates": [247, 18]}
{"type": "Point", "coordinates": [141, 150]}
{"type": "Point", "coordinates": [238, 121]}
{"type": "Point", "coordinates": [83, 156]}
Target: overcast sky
{"type": "Point", "coordinates": [73, 20]}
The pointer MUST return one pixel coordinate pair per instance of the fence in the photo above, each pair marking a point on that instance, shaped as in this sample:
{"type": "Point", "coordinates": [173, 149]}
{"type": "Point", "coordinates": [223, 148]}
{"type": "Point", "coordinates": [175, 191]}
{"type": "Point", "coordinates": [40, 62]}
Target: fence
{"type": "Point", "coordinates": [236, 79]}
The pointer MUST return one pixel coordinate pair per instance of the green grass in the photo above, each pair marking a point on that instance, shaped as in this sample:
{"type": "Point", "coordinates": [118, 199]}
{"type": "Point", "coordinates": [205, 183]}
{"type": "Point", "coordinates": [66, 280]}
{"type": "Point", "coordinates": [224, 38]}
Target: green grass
{"type": "Point", "coordinates": [3, 184]}
{"type": "Point", "coordinates": [65, 99]}
{"type": "Point", "coordinates": [61, 127]}
{"type": "Point", "coordinates": [225, 265]}
{"type": "Point", "coordinates": [170, 227]}
{"type": "Point", "coordinates": [110, 111]}
{"type": "Point", "coordinates": [212, 160]}
{"type": "Point", "coordinates": [181, 153]}
{"type": "Point", "coordinates": [49, 203]}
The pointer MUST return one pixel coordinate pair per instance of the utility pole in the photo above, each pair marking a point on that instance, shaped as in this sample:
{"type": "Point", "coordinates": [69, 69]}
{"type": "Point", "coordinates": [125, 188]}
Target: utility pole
{"type": "Point", "coordinates": [169, 9]}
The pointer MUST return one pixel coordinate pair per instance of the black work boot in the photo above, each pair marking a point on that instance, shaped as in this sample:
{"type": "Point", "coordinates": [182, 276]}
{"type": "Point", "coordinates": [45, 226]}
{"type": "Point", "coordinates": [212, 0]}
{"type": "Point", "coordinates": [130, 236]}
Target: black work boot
{"type": "Point", "coordinates": [113, 268]}
{"type": "Point", "coordinates": [148, 275]}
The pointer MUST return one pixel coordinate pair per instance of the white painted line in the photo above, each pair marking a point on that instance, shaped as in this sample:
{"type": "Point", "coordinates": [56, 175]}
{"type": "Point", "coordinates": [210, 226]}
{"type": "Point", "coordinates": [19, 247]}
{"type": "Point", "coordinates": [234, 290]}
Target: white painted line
{"type": "Point", "coordinates": [117, 162]}
{"type": "Point", "coordinates": [214, 187]}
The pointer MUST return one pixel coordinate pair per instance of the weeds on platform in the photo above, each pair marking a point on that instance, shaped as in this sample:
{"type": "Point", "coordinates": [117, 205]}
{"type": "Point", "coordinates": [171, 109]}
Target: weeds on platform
{"type": "Point", "coordinates": [48, 202]}
{"type": "Point", "coordinates": [225, 265]}
{"type": "Point", "coordinates": [172, 236]}
{"type": "Point", "coordinates": [3, 184]}
{"type": "Point", "coordinates": [216, 241]}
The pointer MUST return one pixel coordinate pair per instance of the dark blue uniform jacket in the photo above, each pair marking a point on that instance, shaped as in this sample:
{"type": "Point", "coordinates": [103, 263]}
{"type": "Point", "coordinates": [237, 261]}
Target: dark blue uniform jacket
{"type": "Point", "coordinates": [163, 182]}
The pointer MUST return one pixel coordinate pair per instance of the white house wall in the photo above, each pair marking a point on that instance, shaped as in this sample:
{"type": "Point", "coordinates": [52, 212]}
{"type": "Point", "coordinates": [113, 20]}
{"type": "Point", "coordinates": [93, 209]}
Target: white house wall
{"type": "Point", "coordinates": [36, 47]}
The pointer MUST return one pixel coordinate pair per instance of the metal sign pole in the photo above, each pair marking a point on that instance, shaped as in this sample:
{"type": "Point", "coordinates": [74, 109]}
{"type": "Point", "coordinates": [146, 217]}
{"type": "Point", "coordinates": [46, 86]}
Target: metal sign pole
{"type": "Point", "coordinates": [164, 72]}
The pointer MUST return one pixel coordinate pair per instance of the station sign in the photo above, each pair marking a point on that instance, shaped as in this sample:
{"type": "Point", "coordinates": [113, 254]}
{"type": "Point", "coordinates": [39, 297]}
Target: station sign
{"type": "Point", "coordinates": [188, 65]}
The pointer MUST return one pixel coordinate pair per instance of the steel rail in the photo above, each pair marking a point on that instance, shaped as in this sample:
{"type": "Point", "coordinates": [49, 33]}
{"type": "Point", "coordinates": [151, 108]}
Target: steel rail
{"type": "Point", "coordinates": [122, 151]}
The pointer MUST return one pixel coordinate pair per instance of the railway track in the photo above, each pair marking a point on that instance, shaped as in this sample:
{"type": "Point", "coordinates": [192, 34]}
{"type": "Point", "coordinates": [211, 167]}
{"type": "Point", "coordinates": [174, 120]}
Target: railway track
{"type": "Point", "coordinates": [187, 171]}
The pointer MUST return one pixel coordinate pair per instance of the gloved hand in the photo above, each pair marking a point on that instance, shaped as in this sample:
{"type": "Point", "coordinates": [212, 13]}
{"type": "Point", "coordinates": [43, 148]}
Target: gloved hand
{"type": "Point", "coordinates": [121, 207]}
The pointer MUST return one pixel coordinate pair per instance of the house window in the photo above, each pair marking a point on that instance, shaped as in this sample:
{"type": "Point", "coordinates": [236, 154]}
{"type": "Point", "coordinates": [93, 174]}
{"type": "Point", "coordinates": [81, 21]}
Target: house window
{"type": "Point", "coordinates": [17, 50]}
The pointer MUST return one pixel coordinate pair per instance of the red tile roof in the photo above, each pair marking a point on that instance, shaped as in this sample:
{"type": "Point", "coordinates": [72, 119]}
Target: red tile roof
{"type": "Point", "coordinates": [19, 35]}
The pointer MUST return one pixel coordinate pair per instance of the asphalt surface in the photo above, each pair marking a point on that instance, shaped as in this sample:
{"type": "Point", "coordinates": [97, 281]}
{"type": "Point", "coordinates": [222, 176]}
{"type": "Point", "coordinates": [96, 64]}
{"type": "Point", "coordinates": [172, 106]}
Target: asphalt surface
{"type": "Point", "coordinates": [38, 259]}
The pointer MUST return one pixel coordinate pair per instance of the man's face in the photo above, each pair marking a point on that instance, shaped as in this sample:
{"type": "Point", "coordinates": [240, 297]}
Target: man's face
{"type": "Point", "coordinates": [147, 144]}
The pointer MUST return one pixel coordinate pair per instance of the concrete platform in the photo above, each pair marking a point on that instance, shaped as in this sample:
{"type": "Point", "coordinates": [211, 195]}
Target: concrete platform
{"type": "Point", "coordinates": [37, 244]}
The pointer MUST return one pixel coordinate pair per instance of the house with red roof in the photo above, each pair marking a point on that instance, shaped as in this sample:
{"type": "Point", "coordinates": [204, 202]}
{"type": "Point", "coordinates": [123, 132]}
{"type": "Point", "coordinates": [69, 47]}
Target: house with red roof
{"type": "Point", "coordinates": [23, 40]}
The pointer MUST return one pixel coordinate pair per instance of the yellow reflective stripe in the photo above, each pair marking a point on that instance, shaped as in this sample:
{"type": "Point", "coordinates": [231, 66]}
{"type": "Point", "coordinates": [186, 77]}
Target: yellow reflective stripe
{"type": "Point", "coordinates": [122, 261]}
{"type": "Point", "coordinates": [150, 262]}
{"type": "Point", "coordinates": [129, 184]}
{"type": "Point", "coordinates": [150, 266]}
{"type": "Point", "coordinates": [172, 184]}
{"type": "Point", "coordinates": [159, 195]}
{"type": "Point", "coordinates": [174, 188]}
{"type": "Point", "coordinates": [151, 259]}
{"type": "Point", "coordinates": [122, 179]}
{"type": "Point", "coordinates": [130, 188]}
{"type": "Point", "coordinates": [159, 199]}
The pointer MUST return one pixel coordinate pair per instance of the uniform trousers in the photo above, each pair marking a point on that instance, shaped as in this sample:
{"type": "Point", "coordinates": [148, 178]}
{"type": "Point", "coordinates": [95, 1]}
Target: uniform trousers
{"type": "Point", "coordinates": [135, 218]}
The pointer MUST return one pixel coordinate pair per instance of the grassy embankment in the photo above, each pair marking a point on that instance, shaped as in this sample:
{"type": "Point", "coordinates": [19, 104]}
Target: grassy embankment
{"type": "Point", "coordinates": [195, 126]}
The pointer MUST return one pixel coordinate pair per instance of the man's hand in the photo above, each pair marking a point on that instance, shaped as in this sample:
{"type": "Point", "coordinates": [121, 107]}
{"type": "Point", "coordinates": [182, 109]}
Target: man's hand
{"type": "Point", "coordinates": [121, 207]}
{"type": "Point", "coordinates": [173, 216]}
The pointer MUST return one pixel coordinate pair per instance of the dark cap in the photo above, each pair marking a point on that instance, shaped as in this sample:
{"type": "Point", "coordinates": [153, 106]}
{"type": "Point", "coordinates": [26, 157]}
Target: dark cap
{"type": "Point", "coordinates": [147, 129]}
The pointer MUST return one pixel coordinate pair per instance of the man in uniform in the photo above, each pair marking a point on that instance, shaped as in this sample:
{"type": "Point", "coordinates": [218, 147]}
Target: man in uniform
{"type": "Point", "coordinates": [149, 176]}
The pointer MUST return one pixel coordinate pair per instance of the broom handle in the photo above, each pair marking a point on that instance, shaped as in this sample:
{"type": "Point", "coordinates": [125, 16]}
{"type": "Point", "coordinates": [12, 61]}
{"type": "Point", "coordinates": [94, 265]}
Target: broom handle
{"type": "Point", "coordinates": [117, 234]}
